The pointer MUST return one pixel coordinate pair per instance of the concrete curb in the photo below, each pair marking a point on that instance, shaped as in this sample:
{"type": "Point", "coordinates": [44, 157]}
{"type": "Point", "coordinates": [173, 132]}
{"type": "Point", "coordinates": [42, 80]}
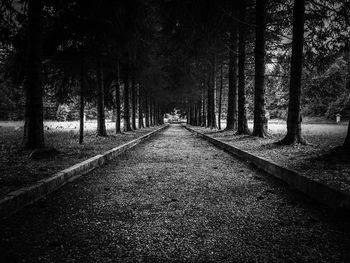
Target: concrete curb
{"type": "Point", "coordinates": [16, 200]}
{"type": "Point", "coordinates": [324, 194]}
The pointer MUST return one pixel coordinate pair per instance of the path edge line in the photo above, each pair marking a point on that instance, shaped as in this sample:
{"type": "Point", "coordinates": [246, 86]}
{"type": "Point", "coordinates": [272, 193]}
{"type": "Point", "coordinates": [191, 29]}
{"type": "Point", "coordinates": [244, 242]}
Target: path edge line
{"type": "Point", "coordinates": [18, 199]}
{"type": "Point", "coordinates": [325, 194]}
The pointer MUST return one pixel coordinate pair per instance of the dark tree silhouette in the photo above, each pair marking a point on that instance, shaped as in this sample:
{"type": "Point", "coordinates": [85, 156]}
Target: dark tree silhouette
{"type": "Point", "coordinates": [294, 120]}
{"type": "Point", "coordinates": [33, 127]}
{"type": "Point", "coordinates": [242, 114]}
{"type": "Point", "coordinates": [117, 100]}
{"type": "Point", "coordinates": [82, 99]}
{"type": "Point", "coordinates": [133, 100]}
{"type": "Point", "coordinates": [231, 121]}
{"type": "Point", "coordinates": [220, 92]}
{"type": "Point", "coordinates": [260, 121]}
{"type": "Point", "coordinates": [346, 145]}
{"type": "Point", "coordinates": [101, 122]}
{"type": "Point", "coordinates": [126, 116]}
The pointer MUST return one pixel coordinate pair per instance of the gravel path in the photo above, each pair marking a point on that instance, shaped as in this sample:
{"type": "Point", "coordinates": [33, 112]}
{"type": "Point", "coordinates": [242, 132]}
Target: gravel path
{"type": "Point", "coordinates": [175, 199]}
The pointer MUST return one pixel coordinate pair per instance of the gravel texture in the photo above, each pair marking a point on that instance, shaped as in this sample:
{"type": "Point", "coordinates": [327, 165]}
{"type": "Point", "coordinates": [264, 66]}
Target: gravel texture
{"type": "Point", "coordinates": [176, 198]}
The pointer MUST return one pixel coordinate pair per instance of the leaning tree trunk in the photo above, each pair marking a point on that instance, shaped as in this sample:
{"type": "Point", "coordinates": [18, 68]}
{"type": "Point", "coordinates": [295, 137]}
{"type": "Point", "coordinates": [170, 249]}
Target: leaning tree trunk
{"type": "Point", "coordinates": [117, 101]}
{"type": "Point", "coordinates": [294, 120]}
{"type": "Point", "coordinates": [260, 121]}
{"type": "Point", "coordinates": [34, 127]}
{"type": "Point", "coordinates": [126, 116]}
{"type": "Point", "coordinates": [101, 121]}
{"type": "Point", "coordinates": [133, 101]}
{"type": "Point", "coordinates": [82, 103]}
{"type": "Point", "coordinates": [231, 121]}
{"type": "Point", "coordinates": [242, 113]}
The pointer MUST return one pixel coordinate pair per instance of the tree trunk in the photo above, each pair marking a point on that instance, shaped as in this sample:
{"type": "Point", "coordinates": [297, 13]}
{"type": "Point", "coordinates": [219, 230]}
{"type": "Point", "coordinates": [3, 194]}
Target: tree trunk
{"type": "Point", "coordinates": [220, 93]}
{"type": "Point", "coordinates": [101, 122]}
{"type": "Point", "coordinates": [260, 121]}
{"type": "Point", "coordinates": [208, 104]}
{"type": "Point", "coordinates": [242, 113]}
{"type": "Point", "coordinates": [203, 124]}
{"type": "Point", "coordinates": [213, 96]}
{"type": "Point", "coordinates": [34, 127]}
{"type": "Point", "coordinates": [82, 103]}
{"type": "Point", "coordinates": [140, 124]}
{"type": "Point", "coordinates": [199, 117]}
{"type": "Point", "coordinates": [117, 101]}
{"type": "Point", "coordinates": [346, 144]}
{"type": "Point", "coordinates": [294, 120]}
{"type": "Point", "coordinates": [126, 116]}
{"type": "Point", "coordinates": [231, 121]}
{"type": "Point", "coordinates": [147, 110]}
{"type": "Point", "coordinates": [133, 101]}
{"type": "Point", "coordinates": [155, 112]}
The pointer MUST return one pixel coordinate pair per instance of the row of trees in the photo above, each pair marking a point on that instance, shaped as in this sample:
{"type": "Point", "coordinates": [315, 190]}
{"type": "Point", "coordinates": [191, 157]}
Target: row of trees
{"type": "Point", "coordinates": [101, 52]}
{"type": "Point", "coordinates": [255, 36]}
{"type": "Point", "coordinates": [143, 58]}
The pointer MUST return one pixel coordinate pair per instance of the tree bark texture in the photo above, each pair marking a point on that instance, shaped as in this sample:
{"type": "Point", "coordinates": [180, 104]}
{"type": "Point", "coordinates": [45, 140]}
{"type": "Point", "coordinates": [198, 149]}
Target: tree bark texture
{"type": "Point", "coordinates": [242, 112]}
{"type": "Point", "coordinates": [294, 120]}
{"type": "Point", "coordinates": [117, 101]}
{"type": "Point", "coordinates": [232, 103]}
{"type": "Point", "coordinates": [101, 123]}
{"type": "Point", "coordinates": [34, 127]}
{"type": "Point", "coordinates": [140, 114]}
{"type": "Point", "coordinates": [346, 144]}
{"type": "Point", "coordinates": [147, 110]}
{"type": "Point", "coordinates": [126, 116]}
{"type": "Point", "coordinates": [220, 93]}
{"type": "Point", "coordinates": [133, 101]}
{"type": "Point", "coordinates": [82, 103]}
{"type": "Point", "coordinates": [260, 121]}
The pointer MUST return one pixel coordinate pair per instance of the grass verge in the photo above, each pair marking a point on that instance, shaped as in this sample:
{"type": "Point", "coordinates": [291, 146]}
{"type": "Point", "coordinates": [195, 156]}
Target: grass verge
{"type": "Point", "coordinates": [305, 159]}
{"type": "Point", "coordinates": [17, 170]}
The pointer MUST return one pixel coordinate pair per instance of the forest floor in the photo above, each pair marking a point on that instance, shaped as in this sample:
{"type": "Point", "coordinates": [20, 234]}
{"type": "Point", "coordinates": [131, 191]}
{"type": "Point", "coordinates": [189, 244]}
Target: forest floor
{"type": "Point", "coordinates": [18, 170]}
{"type": "Point", "coordinates": [306, 159]}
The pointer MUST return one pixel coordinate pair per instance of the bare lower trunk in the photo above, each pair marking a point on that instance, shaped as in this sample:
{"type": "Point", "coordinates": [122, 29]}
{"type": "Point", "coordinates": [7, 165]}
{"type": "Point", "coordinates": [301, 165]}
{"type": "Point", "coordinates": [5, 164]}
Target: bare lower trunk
{"type": "Point", "coordinates": [82, 103]}
{"type": "Point", "coordinates": [133, 102]}
{"type": "Point", "coordinates": [242, 113]}
{"type": "Point", "coordinates": [140, 124]}
{"type": "Point", "coordinates": [101, 122]}
{"type": "Point", "coordinates": [117, 101]}
{"type": "Point", "coordinates": [294, 120]}
{"type": "Point", "coordinates": [260, 121]}
{"type": "Point", "coordinates": [147, 110]}
{"type": "Point", "coordinates": [231, 122]}
{"type": "Point", "coordinates": [203, 123]}
{"type": "Point", "coordinates": [220, 94]}
{"type": "Point", "coordinates": [33, 127]}
{"type": "Point", "coordinates": [126, 116]}
{"type": "Point", "coordinates": [346, 144]}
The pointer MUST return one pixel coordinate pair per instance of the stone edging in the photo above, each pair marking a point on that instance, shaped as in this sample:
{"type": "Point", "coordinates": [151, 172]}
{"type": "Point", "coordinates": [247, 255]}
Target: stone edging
{"type": "Point", "coordinates": [325, 194]}
{"type": "Point", "coordinates": [16, 200]}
